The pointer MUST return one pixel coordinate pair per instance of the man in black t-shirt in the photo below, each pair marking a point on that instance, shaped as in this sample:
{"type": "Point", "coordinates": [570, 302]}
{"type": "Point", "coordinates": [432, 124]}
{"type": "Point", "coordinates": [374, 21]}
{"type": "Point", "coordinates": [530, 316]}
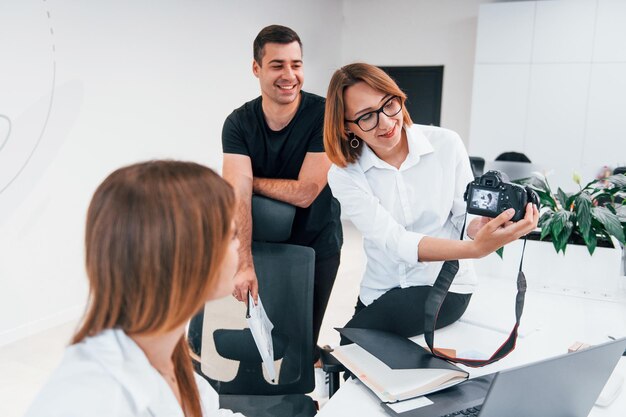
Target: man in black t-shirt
{"type": "Point", "coordinates": [273, 146]}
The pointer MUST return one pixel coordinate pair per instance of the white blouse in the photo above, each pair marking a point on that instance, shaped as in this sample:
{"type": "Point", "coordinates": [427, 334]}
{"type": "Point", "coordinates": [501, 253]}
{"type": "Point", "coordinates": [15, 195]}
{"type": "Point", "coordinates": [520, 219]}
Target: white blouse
{"type": "Point", "coordinates": [109, 375]}
{"type": "Point", "coordinates": [395, 208]}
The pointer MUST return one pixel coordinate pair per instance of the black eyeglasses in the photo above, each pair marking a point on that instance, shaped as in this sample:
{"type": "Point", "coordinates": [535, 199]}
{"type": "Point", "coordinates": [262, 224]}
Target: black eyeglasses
{"type": "Point", "coordinates": [369, 120]}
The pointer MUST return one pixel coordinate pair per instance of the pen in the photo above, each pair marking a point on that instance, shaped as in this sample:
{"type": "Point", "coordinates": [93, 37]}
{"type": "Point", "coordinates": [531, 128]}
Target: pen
{"type": "Point", "coordinates": [248, 305]}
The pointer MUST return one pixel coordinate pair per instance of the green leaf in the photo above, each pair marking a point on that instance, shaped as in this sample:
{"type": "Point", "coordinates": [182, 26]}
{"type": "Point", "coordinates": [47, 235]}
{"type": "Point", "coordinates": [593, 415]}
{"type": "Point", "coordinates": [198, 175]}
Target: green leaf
{"type": "Point", "coordinates": [584, 219]}
{"type": "Point", "coordinates": [590, 183]}
{"type": "Point", "coordinates": [560, 194]}
{"type": "Point", "coordinates": [618, 180]}
{"type": "Point", "coordinates": [591, 241]}
{"type": "Point", "coordinates": [555, 243]}
{"type": "Point", "coordinates": [558, 222]}
{"type": "Point", "coordinates": [545, 198]}
{"type": "Point", "coordinates": [603, 198]}
{"type": "Point", "coordinates": [583, 213]}
{"type": "Point", "coordinates": [570, 200]}
{"type": "Point", "coordinates": [595, 192]}
{"type": "Point", "coordinates": [545, 223]}
{"type": "Point", "coordinates": [565, 234]}
{"type": "Point", "coordinates": [539, 184]}
{"type": "Point", "coordinates": [562, 226]}
{"type": "Point", "coordinates": [610, 222]}
{"type": "Point", "coordinates": [537, 181]}
{"type": "Point", "coordinates": [500, 252]}
{"type": "Point", "coordinates": [621, 213]}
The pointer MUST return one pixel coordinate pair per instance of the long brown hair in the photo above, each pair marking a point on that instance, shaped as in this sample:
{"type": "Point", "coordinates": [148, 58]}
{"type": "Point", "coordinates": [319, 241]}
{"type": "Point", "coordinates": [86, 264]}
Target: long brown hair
{"type": "Point", "coordinates": [336, 141]}
{"type": "Point", "coordinates": [156, 236]}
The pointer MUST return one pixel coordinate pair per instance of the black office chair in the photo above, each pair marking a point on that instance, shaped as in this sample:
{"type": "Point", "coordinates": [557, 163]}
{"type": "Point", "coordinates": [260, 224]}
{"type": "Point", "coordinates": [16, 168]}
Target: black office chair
{"type": "Point", "coordinates": [285, 274]}
{"type": "Point", "coordinates": [478, 165]}
{"type": "Point", "coordinates": [513, 157]}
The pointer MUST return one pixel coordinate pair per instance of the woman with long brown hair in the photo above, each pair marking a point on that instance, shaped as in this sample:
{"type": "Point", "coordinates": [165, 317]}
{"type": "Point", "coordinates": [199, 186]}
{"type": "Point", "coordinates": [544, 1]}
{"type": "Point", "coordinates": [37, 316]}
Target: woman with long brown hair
{"type": "Point", "coordinates": [160, 242]}
{"type": "Point", "coordinates": [402, 186]}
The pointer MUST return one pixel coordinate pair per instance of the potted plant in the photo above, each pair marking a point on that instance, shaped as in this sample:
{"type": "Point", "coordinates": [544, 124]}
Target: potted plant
{"type": "Point", "coordinates": [589, 221]}
{"type": "Point", "coordinates": [590, 216]}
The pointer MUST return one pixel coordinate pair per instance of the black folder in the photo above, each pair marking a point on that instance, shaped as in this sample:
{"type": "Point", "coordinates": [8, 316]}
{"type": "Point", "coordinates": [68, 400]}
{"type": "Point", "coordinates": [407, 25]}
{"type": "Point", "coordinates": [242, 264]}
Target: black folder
{"type": "Point", "coordinates": [394, 367]}
{"type": "Point", "coordinates": [395, 351]}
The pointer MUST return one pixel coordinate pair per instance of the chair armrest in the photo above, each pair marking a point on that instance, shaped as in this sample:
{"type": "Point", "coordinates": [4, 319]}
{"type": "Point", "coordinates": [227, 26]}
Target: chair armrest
{"type": "Point", "coordinates": [332, 366]}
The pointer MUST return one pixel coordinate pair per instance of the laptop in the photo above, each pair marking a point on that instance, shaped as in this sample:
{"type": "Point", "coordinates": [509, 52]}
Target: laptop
{"type": "Point", "coordinates": [566, 385]}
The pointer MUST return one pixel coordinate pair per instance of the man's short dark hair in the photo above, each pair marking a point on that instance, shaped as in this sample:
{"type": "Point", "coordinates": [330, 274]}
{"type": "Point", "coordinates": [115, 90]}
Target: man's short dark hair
{"type": "Point", "coordinates": [273, 34]}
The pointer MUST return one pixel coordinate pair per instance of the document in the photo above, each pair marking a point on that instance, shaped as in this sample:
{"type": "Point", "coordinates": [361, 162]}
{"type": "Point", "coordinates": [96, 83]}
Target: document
{"type": "Point", "coordinates": [394, 367]}
{"type": "Point", "coordinates": [261, 329]}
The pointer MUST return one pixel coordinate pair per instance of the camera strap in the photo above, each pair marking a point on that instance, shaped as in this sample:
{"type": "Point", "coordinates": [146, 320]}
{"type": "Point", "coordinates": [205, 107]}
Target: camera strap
{"type": "Point", "coordinates": [438, 294]}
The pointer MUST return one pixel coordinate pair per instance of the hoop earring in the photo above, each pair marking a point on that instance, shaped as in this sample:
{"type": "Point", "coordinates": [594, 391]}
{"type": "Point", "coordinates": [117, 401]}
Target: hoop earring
{"type": "Point", "coordinates": [354, 141]}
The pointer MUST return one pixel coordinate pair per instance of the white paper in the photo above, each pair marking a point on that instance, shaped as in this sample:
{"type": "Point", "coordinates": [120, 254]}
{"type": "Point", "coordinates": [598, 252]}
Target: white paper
{"type": "Point", "coordinates": [403, 406]}
{"type": "Point", "coordinates": [392, 385]}
{"type": "Point", "coordinates": [523, 331]}
{"type": "Point", "coordinates": [261, 328]}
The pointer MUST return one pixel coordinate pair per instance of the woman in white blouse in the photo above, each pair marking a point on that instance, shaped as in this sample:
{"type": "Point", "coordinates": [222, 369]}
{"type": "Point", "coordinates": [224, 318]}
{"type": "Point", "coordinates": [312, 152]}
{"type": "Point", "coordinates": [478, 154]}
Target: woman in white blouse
{"type": "Point", "coordinates": [402, 186]}
{"type": "Point", "coordinates": [160, 242]}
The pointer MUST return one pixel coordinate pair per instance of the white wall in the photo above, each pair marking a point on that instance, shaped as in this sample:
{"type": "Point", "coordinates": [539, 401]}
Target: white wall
{"type": "Point", "coordinates": [549, 82]}
{"type": "Point", "coordinates": [124, 81]}
{"type": "Point", "coordinates": [419, 33]}
{"type": "Point", "coordinates": [130, 81]}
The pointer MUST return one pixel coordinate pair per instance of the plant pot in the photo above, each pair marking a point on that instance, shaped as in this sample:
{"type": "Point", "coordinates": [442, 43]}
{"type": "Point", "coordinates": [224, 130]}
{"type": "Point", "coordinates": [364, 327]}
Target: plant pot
{"type": "Point", "coordinates": [575, 239]}
{"type": "Point", "coordinates": [574, 273]}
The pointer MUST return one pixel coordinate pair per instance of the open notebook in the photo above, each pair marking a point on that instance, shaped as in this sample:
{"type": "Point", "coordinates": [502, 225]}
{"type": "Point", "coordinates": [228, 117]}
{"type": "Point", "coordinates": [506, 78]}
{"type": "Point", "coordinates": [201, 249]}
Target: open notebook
{"type": "Point", "coordinates": [393, 367]}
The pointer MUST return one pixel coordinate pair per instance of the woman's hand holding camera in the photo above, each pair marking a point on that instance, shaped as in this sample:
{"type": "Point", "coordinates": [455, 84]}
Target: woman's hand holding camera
{"type": "Point", "coordinates": [491, 234]}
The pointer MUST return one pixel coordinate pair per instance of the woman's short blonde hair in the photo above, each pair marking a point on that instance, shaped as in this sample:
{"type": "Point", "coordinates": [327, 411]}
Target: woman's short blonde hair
{"type": "Point", "coordinates": [336, 141]}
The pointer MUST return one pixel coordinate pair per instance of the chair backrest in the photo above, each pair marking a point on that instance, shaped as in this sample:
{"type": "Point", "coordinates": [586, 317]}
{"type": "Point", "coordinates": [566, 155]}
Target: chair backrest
{"type": "Point", "coordinates": [514, 170]}
{"type": "Point", "coordinates": [285, 275]}
{"type": "Point", "coordinates": [271, 219]}
{"type": "Point", "coordinates": [478, 165]}
{"type": "Point", "coordinates": [513, 157]}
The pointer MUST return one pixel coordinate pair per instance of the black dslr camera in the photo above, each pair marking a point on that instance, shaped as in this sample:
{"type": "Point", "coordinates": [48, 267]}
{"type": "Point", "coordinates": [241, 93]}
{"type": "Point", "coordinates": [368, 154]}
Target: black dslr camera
{"type": "Point", "coordinates": [491, 194]}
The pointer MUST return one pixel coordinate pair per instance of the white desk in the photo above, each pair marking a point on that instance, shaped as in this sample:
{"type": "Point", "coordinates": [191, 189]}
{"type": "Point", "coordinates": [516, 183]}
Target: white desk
{"type": "Point", "coordinates": [550, 324]}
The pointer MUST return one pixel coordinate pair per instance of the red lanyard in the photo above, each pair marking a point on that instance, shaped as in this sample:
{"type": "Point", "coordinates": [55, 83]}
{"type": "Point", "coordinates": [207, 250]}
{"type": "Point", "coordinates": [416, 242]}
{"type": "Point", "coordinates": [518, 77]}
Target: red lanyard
{"type": "Point", "coordinates": [435, 300]}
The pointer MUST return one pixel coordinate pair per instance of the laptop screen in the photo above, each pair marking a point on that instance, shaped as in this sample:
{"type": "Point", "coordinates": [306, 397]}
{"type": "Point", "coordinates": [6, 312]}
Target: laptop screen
{"type": "Point", "coordinates": [566, 385]}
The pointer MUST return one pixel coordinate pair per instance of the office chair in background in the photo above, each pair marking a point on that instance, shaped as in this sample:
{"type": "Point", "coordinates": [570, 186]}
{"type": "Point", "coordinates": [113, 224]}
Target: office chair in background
{"type": "Point", "coordinates": [515, 165]}
{"type": "Point", "coordinates": [513, 157]}
{"type": "Point", "coordinates": [478, 165]}
{"type": "Point", "coordinates": [285, 274]}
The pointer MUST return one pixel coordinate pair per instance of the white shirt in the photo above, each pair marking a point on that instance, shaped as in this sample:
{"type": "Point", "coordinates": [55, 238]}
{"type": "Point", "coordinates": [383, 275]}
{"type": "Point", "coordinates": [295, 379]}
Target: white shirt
{"type": "Point", "coordinates": [395, 208]}
{"type": "Point", "coordinates": [109, 375]}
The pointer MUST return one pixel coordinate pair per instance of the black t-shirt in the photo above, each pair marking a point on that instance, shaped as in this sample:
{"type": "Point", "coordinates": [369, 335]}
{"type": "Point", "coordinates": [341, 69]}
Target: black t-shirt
{"type": "Point", "coordinates": [280, 154]}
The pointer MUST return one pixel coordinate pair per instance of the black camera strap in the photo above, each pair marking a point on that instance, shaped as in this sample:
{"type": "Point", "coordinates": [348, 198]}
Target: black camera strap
{"type": "Point", "coordinates": [438, 294]}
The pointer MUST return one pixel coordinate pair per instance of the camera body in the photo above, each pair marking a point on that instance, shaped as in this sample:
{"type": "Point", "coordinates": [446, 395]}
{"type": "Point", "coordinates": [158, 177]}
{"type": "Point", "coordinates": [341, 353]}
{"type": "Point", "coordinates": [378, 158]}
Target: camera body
{"type": "Point", "coordinates": [492, 193]}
